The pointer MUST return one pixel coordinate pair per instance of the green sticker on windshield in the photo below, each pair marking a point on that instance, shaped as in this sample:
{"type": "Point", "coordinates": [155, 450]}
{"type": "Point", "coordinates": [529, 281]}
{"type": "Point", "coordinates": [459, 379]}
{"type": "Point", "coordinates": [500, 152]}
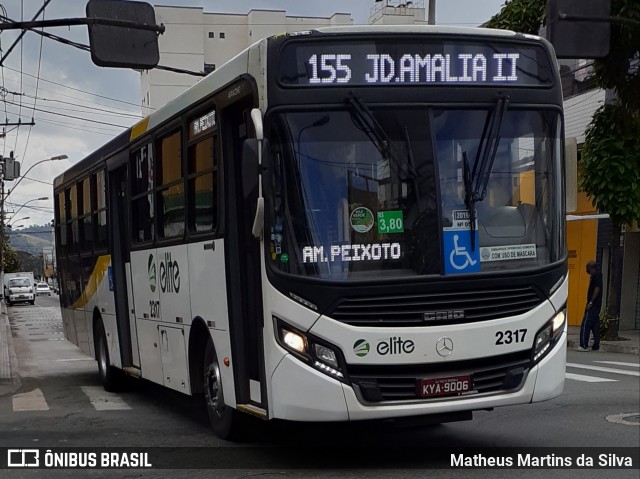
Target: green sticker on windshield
{"type": "Point", "coordinates": [390, 222]}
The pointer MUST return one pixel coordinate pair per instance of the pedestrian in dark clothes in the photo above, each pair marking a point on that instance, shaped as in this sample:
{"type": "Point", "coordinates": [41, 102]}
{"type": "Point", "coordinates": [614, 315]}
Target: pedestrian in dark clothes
{"type": "Point", "coordinates": [591, 319]}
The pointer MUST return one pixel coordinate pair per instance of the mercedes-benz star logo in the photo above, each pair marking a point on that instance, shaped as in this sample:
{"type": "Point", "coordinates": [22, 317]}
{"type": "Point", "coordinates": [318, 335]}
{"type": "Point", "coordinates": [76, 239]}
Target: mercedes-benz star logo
{"type": "Point", "coordinates": [444, 346]}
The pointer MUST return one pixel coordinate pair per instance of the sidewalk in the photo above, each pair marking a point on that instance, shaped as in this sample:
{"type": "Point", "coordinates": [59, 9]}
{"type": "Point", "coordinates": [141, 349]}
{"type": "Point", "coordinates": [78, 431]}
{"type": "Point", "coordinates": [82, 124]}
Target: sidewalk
{"type": "Point", "coordinates": [631, 345]}
{"type": "Point", "coordinates": [9, 378]}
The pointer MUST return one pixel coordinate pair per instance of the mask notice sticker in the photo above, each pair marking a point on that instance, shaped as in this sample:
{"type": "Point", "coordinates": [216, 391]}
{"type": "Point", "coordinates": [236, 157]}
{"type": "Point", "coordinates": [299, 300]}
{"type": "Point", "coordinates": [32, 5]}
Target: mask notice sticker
{"type": "Point", "coordinates": [509, 252]}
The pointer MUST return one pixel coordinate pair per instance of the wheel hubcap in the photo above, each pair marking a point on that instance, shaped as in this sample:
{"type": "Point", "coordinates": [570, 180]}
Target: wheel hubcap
{"type": "Point", "coordinates": [213, 387]}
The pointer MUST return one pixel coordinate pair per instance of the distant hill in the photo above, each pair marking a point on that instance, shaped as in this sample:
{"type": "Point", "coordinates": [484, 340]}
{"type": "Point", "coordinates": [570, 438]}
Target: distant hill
{"type": "Point", "coordinates": [32, 240]}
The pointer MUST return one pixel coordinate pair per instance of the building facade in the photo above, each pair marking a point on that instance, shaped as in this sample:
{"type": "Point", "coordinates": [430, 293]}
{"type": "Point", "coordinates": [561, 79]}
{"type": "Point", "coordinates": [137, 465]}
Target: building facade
{"type": "Point", "coordinates": [588, 236]}
{"type": "Point", "coordinates": [199, 41]}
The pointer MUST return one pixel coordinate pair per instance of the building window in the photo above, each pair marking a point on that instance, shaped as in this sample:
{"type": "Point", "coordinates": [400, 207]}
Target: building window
{"type": "Point", "coordinates": [221, 34]}
{"type": "Point", "coordinates": [212, 35]}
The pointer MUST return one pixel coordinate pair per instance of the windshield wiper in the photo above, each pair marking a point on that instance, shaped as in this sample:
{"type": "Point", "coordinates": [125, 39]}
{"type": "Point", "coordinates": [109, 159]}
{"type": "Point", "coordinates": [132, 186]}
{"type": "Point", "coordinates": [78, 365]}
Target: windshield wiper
{"type": "Point", "coordinates": [366, 121]}
{"type": "Point", "coordinates": [475, 183]}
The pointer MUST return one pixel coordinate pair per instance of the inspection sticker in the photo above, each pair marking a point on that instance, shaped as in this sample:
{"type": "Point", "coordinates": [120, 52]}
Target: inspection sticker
{"type": "Point", "coordinates": [461, 220]}
{"type": "Point", "coordinates": [509, 252]}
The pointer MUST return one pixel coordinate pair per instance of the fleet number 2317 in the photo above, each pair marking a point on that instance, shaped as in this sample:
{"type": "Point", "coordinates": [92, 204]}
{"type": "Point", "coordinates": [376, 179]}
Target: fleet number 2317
{"type": "Point", "coordinates": [510, 336]}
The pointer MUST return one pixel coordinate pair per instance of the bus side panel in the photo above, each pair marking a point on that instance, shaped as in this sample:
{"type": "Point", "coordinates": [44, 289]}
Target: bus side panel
{"type": "Point", "coordinates": [173, 284]}
{"type": "Point", "coordinates": [145, 283]}
{"type": "Point", "coordinates": [111, 328]}
{"type": "Point", "coordinates": [104, 303]}
{"type": "Point", "coordinates": [149, 347]}
{"type": "Point", "coordinates": [208, 286]}
{"type": "Point", "coordinates": [82, 333]}
{"type": "Point", "coordinates": [208, 283]}
{"type": "Point", "coordinates": [69, 325]}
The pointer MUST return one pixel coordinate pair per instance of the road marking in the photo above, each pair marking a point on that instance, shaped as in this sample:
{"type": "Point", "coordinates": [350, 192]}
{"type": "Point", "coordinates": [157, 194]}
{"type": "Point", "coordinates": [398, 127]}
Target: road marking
{"type": "Point", "coordinates": [31, 401]}
{"type": "Point", "coordinates": [102, 400]}
{"type": "Point", "coordinates": [618, 363]}
{"type": "Point", "coordinates": [604, 370]}
{"type": "Point", "coordinates": [588, 379]}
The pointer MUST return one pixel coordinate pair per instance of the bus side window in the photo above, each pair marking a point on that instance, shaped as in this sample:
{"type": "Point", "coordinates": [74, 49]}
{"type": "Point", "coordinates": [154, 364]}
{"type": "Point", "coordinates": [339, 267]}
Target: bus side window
{"type": "Point", "coordinates": [142, 207]}
{"type": "Point", "coordinates": [170, 187]}
{"type": "Point", "coordinates": [99, 202]}
{"type": "Point", "coordinates": [203, 186]}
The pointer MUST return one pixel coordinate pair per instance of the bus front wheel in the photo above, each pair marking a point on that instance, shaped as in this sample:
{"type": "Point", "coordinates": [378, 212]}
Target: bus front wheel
{"type": "Point", "coordinates": [223, 419]}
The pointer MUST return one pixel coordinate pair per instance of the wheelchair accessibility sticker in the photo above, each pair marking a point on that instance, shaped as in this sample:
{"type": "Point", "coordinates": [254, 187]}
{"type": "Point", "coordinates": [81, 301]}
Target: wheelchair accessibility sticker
{"type": "Point", "coordinates": [458, 255]}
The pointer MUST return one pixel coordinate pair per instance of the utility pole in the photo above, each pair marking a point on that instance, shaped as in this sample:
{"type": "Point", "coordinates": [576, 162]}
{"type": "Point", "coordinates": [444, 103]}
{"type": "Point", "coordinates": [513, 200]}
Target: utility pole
{"type": "Point", "coordinates": [9, 171]}
{"type": "Point", "coordinates": [431, 19]}
{"type": "Point", "coordinates": [2, 237]}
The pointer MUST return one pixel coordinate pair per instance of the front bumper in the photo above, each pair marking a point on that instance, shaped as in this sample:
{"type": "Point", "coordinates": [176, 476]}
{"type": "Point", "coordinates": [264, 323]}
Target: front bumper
{"type": "Point", "coordinates": [301, 393]}
{"type": "Point", "coordinates": [16, 298]}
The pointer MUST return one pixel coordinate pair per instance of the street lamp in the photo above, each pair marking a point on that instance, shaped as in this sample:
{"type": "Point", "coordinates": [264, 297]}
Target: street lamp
{"type": "Point", "coordinates": [53, 158]}
{"type": "Point", "coordinates": [42, 198]}
{"type": "Point", "coordinates": [21, 219]}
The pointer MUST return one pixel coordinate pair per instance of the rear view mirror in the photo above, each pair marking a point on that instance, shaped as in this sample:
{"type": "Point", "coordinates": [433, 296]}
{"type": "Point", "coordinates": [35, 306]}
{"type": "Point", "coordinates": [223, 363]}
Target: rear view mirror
{"type": "Point", "coordinates": [118, 46]}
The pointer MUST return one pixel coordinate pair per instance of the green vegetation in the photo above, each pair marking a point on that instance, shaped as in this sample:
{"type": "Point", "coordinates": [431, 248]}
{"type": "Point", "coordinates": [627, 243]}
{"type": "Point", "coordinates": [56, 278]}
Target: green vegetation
{"type": "Point", "coordinates": [610, 161]}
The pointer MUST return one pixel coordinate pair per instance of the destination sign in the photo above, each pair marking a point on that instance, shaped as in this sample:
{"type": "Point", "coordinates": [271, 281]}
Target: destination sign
{"type": "Point", "coordinates": [422, 62]}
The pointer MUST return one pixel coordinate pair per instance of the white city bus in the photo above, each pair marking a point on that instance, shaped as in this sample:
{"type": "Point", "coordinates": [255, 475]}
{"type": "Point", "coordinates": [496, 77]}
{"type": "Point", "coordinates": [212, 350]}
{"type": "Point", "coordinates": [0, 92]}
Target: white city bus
{"type": "Point", "coordinates": [342, 224]}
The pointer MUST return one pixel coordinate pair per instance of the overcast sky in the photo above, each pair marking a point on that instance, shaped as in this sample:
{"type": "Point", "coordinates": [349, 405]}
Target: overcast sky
{"type": "Point", "coordinates": [79, 106]}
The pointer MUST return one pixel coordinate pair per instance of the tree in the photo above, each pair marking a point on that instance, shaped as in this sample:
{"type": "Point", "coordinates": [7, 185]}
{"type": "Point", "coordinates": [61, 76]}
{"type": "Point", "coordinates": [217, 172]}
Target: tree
{"type": "Point", "coordinates": [11, 262]}
{"type": "Point", "coordinates": [610, 163]}
{"type": "Point", "coordinates": [524, 16]}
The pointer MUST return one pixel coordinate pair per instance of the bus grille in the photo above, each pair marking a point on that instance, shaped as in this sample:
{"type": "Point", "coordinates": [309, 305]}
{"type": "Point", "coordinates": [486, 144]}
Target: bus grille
{"type": "Point", "coordinates": [400, 382]}
{"type": "Point", "coordinates": [409, 309]}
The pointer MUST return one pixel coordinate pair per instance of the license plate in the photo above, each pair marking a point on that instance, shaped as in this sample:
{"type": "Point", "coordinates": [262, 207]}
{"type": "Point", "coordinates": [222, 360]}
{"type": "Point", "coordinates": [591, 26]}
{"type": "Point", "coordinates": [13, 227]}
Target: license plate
{"type": "Point", "coordinates": [453, 386]}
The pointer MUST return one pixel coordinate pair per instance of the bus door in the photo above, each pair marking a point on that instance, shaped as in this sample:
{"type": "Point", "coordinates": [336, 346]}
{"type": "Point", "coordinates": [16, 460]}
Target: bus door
{"type": "Point", "coordinates": [120, 264]}
{"type": "Point", "coordinates": [242, 254]}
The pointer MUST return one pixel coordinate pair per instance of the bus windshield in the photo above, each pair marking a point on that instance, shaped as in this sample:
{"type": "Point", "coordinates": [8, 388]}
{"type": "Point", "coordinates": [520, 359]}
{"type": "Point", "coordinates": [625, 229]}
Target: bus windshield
{"type": "Point", "coordinates": [363, 195]}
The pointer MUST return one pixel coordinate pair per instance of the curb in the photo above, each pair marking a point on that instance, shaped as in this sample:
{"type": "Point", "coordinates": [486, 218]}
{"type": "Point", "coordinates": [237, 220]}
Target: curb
{"type": "Point", "coordinates": [610, 346]}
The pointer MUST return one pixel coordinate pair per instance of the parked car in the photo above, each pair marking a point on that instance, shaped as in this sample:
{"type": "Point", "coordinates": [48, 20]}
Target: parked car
{"type": "Point", "coordinates": [19, 290]}
{"type": "Point", "coordinates": [43, 289]}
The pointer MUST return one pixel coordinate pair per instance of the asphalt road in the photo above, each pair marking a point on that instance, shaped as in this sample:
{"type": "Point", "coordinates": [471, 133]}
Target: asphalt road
{"type": "Point", "coordinates": [62, 404]}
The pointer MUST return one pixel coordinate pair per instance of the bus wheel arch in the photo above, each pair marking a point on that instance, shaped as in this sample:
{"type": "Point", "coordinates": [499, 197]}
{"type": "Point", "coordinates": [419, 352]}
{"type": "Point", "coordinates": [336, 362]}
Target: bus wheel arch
{"type": "Point", "coordinates": [111, 377]}
{"type": "Point", "coordinates": [198, 337]}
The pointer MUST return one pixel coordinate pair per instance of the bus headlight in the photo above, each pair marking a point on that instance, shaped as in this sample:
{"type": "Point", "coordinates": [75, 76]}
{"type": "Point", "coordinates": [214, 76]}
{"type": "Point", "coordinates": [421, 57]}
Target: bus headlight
{"type": "Point", "coordinates": [295, 341]}
{"type": "Point", "coordinates": [548, 335]}
{"type": "Point", "coordinates": [315, 352]}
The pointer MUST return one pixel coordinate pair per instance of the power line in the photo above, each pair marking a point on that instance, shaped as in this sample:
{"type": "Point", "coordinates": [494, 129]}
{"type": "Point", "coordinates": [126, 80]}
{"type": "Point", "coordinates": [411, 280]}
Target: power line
{"type": "Point", "coordinates": [92, 110]}
{"type": "Point", "coordinates": [75, 89]}
{"type": "Point", "coordinates": [73, 126]}
{"type": "Point", "coordinates": [71, 116]}
{"type": "Point", "coordinates": [78, 98]}
{"type": "Point", "coordinates": [110, 112]}
{"type": "Point", "coordinates": [26, 145]}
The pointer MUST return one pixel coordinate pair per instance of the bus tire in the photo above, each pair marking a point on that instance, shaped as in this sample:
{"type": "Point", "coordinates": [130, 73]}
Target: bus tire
{"type": "Point", "coordinates": [224, 419]}
{"type": "Point", "coordinates": [111, 379]}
